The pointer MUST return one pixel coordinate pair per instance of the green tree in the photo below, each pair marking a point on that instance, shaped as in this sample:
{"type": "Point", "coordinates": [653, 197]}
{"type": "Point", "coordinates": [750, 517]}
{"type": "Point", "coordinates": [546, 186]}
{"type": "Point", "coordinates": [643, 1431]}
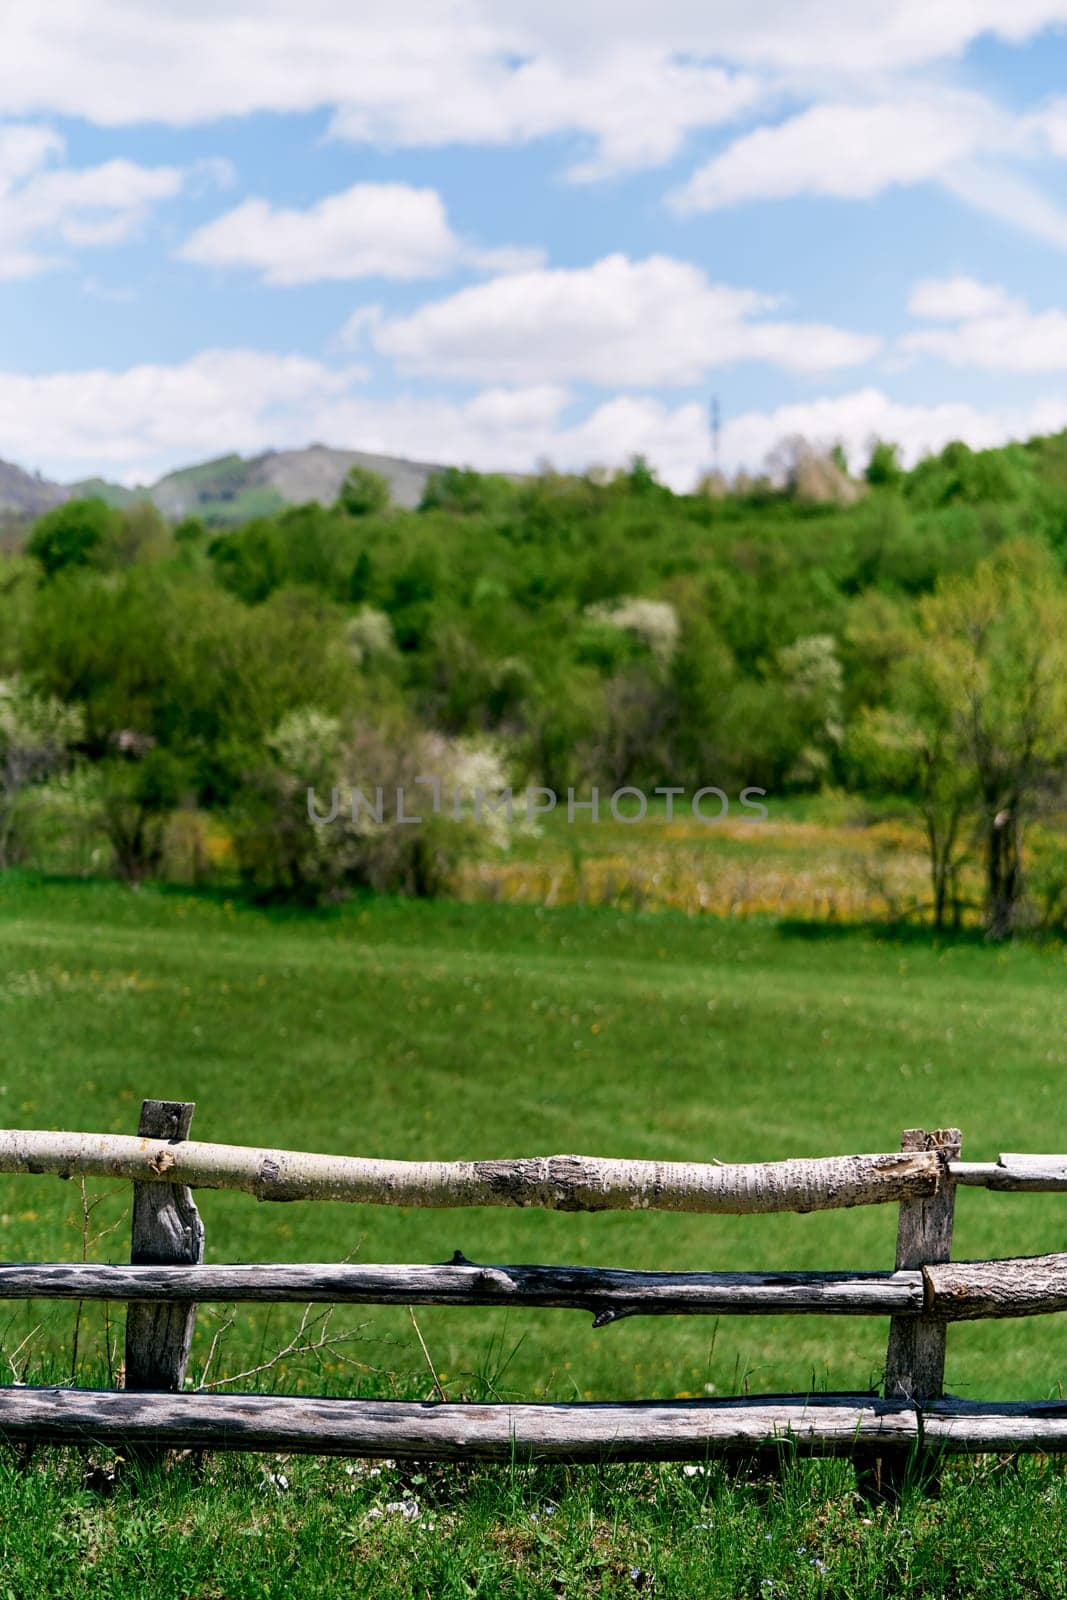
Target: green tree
{"type": "Point", "coordinates": [883, 468]}
{"type": "Point", "coordinates": [978, 721]}
{"type": "Point", "coordinates": [75, 534]}
{"type": "Point", "coordinates": [363, 493]}
{"type": "Point", "coordinates": [140, 793]}
{"type": "Point", "coordinates": [251, 562]}
{"type": "Point", "coordinates": [37, 733]}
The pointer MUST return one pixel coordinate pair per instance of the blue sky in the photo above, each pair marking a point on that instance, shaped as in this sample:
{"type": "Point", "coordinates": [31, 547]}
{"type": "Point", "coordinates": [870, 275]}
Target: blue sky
{"type": "Point", "coordinates": [504, 233]}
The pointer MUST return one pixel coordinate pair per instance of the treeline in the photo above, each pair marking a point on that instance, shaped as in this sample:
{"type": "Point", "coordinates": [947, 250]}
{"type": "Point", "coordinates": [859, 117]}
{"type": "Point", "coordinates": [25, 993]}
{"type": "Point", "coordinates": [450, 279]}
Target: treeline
{"type": "Point", "coordinates": [562, 630]}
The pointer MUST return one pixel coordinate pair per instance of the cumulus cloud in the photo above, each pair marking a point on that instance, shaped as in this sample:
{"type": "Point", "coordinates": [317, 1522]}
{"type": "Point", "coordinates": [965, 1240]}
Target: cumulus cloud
{"type": "Point", "coordinates": [635, 106]}
{"type": "Point", "coordinates": [384, 230]}
{"type": "Point", "coordinates": [956, 299]}
{"type": "Point", "coordinates": [419, 73]}
{"type": "Point", "coordinates": [992, 330]}
{"type": "Point", "coordinates": [144, 418]}
{"type": "Point", "coordinates": [820, 36]}
{"type": "Point", "coordinates": [848, 151]}
{"type": "Point", "coordinates": [44, 204]}
{"type": "Point", "coordinates": [633, 79]}
{"type": "Point", "coordinates": [138, 422]}
{"type": "Point", "coordinates": [616, 323]}
{"type": "Point", "coordinates": [856, 418]}
{"type": "Point", "coordinates": [856, 150]}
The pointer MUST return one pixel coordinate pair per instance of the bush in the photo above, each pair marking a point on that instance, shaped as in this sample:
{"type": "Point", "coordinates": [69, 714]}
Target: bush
{"type": "Point", "coordinates": [363, 493]}
{"type": "Point", "coordinates": [37, 733]}
{"type": "Point", "coordinates": [75, 534]}
{"type": "Point", "coordinates": [332, 811]}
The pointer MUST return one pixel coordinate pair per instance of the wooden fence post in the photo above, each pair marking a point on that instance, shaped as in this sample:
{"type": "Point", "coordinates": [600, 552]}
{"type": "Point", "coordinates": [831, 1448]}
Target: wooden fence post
{"type": "Point", "coordinates": [915, 1356]}
{"type": "Point", "coordinates": [167, 1231]}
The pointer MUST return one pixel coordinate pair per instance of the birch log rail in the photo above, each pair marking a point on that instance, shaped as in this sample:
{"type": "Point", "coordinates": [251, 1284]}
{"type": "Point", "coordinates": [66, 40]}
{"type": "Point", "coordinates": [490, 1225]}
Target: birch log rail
{"type": "Point", "coordinates": [554, 1183]}
{"type": "Point", "coordinates": [168, 1278]}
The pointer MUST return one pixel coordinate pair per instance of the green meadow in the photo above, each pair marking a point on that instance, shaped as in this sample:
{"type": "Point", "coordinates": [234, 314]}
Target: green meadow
{"type": "Point", "coordinates": [410, 1029]}
{"type": "Point", "coordinates": [440, 1030]}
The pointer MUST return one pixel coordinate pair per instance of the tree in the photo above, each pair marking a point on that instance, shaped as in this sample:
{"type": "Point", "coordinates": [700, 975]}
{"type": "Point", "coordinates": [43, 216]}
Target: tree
{"type": "Point", "coordinates": [251, 562]}
{"type": "Point", "coordinates": [914, 748]}
{"type": "Point", "coordinates": [140, 793]}
{"type": "Point", "coordinates": [363, 492]}
{"type": "Point", "coordinates": [75, 534]}
{"type": "Point", "coordinates": [37, 733]}
{"type": "Point", "coordinates": [998, 644]}
{"type": "Point", "coordinates": [883, 465]}
{"type": "Point", "coordinates": [977, 720]}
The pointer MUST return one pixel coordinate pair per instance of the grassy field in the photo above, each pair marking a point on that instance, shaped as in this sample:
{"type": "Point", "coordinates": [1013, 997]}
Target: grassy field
{"type": "Point", "coordinates": [448, 1030]}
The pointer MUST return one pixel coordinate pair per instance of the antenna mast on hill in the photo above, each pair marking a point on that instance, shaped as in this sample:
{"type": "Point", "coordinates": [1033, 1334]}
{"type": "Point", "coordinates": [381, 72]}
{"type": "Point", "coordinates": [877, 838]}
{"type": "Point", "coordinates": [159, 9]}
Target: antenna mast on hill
{"type": "Point", "coordinates": [714, 417]}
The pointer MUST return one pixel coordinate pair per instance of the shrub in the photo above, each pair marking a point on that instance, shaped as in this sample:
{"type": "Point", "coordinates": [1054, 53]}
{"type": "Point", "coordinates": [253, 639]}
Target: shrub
{"type": "Point", "coordinates": [37, 733]}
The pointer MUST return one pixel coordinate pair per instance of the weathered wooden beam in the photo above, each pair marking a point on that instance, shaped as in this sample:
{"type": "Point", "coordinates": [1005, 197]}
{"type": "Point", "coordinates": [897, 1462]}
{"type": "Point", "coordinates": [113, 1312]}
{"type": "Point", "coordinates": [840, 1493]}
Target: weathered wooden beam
{"type": "Point", "coordinates": [556, 1183]}
{"type": "Point", "coordinates": [972, 1426]}
{"type": "Point", "coordinates": [915, 1355]}
{"type": "Point", "coordinates": [915, 1358]}
{"type": "Point", "coordinates": [958, 1291]}
{"type": "Point", "coordinates": [1028, 1286]}
{"type": "Point", "coordinates": [1018, 1173]}
{"type": "Point", "coordinates": [808, 1425]}
{"type": "Point", "coordinates": [640, 1431]}
{"type": "Point", "coordinates": [167, 1233]}
{"type": "Point", "coordinates": [607, 1294]}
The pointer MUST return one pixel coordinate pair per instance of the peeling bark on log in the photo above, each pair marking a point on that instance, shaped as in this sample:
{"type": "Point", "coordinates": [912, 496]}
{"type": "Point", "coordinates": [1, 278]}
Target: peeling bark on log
{"type": "Point", "coordinates": [556, 1183]}
{"type": "Point", "coordinates": [815, 1425]}
{"type": "Point", "coordinates": [607, 1294]}
{"type": "Point", "coordinates": [1029, 1286]}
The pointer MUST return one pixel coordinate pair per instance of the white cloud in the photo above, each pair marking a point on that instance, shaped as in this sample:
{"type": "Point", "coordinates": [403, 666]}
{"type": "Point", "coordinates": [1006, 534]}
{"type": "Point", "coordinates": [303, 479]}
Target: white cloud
{"type": "Point", "coordinates": [1052, 124]}
{"type": "Point", "coordinates": [855, 419]}
{"type": "Point", "coordinates": [993, 331]}
{"type": "Point", "coordinates": [617, 322]}
{"type": "Point", "coordinates": [637, 106]}
{"type": "Point", "coordinates": [137, 423]}
{"type": "Point", "coordinates": [853, 150]}
{"type": "Point", "coordinates": [1002, 194]}
{"type": "Point", "coordinates": [956, 299]}
{"type": "Point", "coordinates": [810, 36]}
{"type": "Point", "coordinates": [850, 152]}
{"type": "Point", "coordinates": [420, 72]}
{"type": "Point", "coordinates": [631, 78]}
{"type": "Point", "coordinates": [144, 418]}
{"type": "Point", "coordinates": [386, 230]}
{"type": "Point", "coordinates": [43, 205]}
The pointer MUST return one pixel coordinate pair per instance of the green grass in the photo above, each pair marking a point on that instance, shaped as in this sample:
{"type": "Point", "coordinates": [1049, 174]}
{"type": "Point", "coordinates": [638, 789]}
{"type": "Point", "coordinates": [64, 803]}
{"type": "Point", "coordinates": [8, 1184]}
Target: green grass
{"type": "Point", "coordinates": [249, 1530]}
{"type": "Point", "coordinates": [444, 1030]}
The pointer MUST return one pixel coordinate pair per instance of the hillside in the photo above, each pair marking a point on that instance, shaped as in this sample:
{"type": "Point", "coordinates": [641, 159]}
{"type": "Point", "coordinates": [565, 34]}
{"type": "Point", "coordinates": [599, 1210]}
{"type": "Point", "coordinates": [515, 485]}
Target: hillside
{"type": "Point", "coordinates": [229, 489]}
{"type": "Point", "coordinates": [26, 494]}
{"type": "Point", "coordinates": [233, 488]}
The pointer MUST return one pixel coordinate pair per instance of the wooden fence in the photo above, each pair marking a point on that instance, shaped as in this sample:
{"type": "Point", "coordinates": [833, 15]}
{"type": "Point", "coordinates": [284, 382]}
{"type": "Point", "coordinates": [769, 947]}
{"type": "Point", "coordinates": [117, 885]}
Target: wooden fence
{"type": "Point", "coordinates": [912, 1420]}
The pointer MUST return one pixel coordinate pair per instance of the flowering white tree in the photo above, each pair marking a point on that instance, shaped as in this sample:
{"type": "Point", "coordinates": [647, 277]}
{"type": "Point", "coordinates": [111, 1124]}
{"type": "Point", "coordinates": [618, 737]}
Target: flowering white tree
{"type": "Point", "coordinates": [37, 733]}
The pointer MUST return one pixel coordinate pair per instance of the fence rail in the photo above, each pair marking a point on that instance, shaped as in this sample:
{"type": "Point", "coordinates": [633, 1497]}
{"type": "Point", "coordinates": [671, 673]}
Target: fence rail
{"type": "Point", "coordinates": [167, 1277]}
{"type": "Point", "coordinates": [771, 1425]}
{"type": "Point", "coordinates": [554, 1183]}
{"type": "Point", "coordinates": [962, 1291]}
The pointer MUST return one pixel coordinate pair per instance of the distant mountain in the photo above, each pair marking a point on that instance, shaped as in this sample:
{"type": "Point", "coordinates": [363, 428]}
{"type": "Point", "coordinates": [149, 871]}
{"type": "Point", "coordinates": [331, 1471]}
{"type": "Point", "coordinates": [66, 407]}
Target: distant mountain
{"type": "Point", "coordinates": [227, 490]}
{"type": "Point", "coordinates": [232, 489]}
{"type": "Point", "coordinates": [27, 494]}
